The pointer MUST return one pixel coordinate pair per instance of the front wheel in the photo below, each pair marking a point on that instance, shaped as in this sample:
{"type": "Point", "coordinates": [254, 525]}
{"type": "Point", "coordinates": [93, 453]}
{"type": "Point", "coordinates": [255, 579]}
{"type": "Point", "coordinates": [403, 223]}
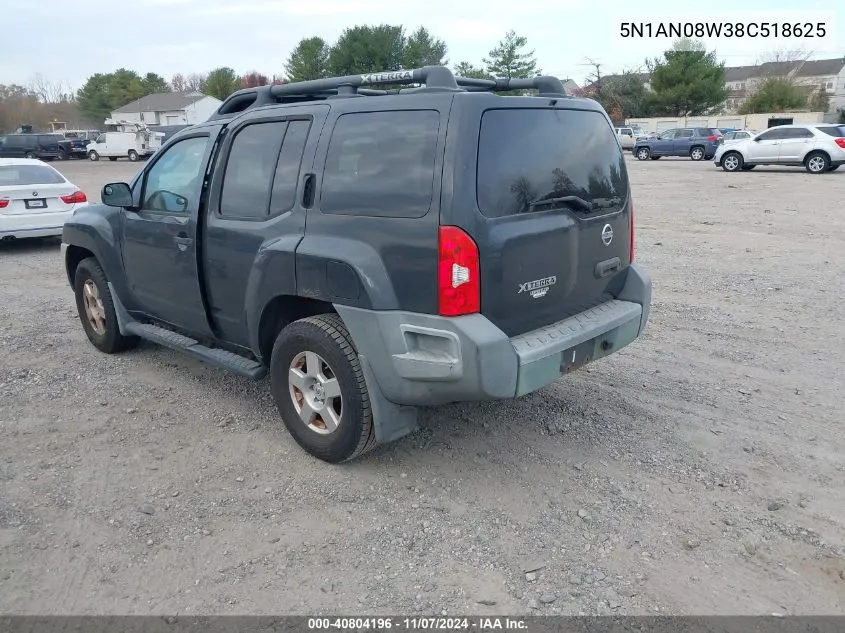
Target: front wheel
{"type": "Point", "coordinates": [96, 309]}
{"type": "Point", "coordinates": [133, 155]}
{"type": "Point", "coordinates": [92, 155]}
{"type": "Point", "coordinates": [817, 163]}
{"type": "Point", "coordinates": [732, 161]}
{"type": "Point", "coordinates": [643, 153]}
{"type": "Point", "coordinates": [318, 385]}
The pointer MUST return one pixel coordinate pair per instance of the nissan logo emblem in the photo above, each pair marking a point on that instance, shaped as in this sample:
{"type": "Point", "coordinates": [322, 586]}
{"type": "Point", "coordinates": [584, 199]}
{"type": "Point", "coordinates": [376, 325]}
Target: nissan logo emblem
{"type": "Point", "coordinates": [607, 234]}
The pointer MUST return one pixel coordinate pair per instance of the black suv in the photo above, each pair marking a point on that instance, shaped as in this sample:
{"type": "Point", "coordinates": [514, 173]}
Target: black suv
{"type": "Point", "coordinates": [374, 250]}
{"type": "Point", "coordinates": [31, 145]}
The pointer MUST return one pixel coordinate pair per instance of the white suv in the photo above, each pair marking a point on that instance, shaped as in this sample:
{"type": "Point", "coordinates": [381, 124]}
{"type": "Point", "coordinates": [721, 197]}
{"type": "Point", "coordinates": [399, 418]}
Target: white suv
{"type": "Point", "coordinates": [818, 148]}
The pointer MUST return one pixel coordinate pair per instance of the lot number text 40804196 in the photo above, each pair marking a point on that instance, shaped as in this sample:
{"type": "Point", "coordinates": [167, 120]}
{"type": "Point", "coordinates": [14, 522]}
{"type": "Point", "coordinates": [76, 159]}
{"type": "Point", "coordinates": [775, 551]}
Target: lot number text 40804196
{"type": "Point", "coordinates": [418, 624]}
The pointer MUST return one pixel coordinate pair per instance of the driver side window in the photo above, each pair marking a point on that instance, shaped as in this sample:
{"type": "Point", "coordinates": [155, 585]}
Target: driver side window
{"type": "Point", "coordinates": [668, 135]}
{"type": "Point", "coordinates": [771, 135]}
{"type": "Point", "coordinates": [172, 184]}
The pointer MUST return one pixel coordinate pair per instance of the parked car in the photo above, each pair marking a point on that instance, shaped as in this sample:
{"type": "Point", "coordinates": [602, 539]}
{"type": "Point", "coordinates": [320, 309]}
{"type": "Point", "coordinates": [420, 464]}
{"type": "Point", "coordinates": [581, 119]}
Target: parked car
{"type": "Point", "coordinates": [131, 145]}
{"type": "Point", "coordinates": [293, 235]}
{"type": "Point", "coordinates": [30, 145]}
{"type": "Point", "coordinates": [818, 148]}
{"type": "Point", "coordinates": [73, 148]}
{"type": "Point", "coordinates": [699, 143]}
{"type": "Point", "coordinates": [737, 135]}
{"type": "Point", "coordinates": [626, 137]}
{"type": "Point", "coordinates": [35, 199]}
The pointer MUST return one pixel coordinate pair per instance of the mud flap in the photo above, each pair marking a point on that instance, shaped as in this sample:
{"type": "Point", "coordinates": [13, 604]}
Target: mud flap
{"type": "Point", "coordinates": [392, 421]}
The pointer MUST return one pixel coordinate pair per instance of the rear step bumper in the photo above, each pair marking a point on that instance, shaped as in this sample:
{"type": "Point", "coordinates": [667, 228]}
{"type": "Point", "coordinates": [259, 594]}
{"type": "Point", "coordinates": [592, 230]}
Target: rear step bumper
{"type": "Point", "coordinates": [422, 359]}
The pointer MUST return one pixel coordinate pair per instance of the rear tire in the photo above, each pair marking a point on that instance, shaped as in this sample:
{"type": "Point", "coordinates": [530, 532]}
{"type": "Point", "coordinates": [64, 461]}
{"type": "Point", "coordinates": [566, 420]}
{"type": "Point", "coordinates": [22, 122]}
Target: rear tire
{"type": "Point", "coordinates": [319, 388]}
{"type": "Point", "coordinates": [133, 155]}
{"type": "Point", "coordinates": [732, 161]}
{"type": "Point", "coordinates": [96, 309]}
{"type": "Point", "coordinates": [92, 155]}
{"type": "Point", "coordinates": [696, 153]}
{"type": "Point", "coordinates": [643, 153]}
{"type": "Point", "coordinates": [817, 163]}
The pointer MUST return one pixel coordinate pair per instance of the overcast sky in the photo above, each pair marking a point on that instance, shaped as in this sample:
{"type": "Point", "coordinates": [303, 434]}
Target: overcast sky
{"type": "Point", "coordinates": [76, 38]}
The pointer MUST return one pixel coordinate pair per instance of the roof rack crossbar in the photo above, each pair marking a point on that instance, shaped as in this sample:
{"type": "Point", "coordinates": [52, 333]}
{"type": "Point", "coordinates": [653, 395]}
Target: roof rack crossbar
{"type": "Point", "coordinates": [438, 78]}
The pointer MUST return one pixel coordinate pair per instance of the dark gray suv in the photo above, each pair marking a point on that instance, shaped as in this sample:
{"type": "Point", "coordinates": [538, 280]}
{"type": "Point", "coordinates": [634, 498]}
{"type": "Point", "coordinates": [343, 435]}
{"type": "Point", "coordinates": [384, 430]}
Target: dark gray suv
{"type": "Point", "coordinates": [699, 143]}
{"type": "Point", "coordinates": [373, 250]}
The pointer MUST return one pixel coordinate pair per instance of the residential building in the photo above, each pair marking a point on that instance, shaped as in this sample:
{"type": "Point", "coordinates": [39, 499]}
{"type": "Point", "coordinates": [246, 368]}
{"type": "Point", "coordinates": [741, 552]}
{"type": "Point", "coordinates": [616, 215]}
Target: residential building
{"type": "Point", "coordinates": [168, 108]}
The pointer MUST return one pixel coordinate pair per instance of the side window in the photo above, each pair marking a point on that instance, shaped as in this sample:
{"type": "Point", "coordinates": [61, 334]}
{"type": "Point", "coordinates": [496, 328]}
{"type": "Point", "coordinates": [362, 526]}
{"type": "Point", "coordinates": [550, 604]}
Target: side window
{"type": "Point", "coordinates": [668, 135]}
{"type": "Point", "coordinates": [771, 135]}
{"type": "Point", "coordinates": [286, 178]}
{"type": "Point", "coordinates": [172, 184]}
{"type": "Point", "coordinates": [683, 134]}
{"type": "Point", "coordinates": [101, 138]}
{"type": "Point", "coordinates": [248, 179]}
{"type": "Point", "coordinates": [381, 164]}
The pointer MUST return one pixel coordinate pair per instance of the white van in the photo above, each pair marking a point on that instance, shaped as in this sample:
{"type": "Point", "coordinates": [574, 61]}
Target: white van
{"type": "Point", "coordinates": [131, 145]}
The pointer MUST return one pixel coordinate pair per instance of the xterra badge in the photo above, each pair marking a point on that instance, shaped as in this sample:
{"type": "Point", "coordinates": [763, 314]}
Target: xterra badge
{"type": "Point", "coordinates": [538, 288]}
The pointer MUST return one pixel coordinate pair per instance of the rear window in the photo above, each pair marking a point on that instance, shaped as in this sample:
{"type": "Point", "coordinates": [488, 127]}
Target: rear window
{"type": "Point", "coordinates": [381, 164]}
{"type": "Point", "coordinates": [834, 131]}
{"type": "Point", "coordinates": [29, 175]}
{"type": "Point", "coordinates": [529, 155]}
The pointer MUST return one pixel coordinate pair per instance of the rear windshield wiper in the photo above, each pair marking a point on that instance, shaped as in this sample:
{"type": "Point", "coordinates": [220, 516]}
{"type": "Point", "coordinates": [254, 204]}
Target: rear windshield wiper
{"type": "Point", "coordinates": [571, 201]}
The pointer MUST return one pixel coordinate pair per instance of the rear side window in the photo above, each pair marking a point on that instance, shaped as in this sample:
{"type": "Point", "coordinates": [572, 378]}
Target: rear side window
{"type": "Point", "coordinates": [29, 175]}
{"type": "Point", "coordinates": [381, 164]}
{"type": "Point", "coordinates": [529, 155]}
{"type": "Point", "coordinates": [796, 132]}
{"type": "Point", "coordinates": [834, 131]}
{"type": "Point", "coordinates": [683, 134]}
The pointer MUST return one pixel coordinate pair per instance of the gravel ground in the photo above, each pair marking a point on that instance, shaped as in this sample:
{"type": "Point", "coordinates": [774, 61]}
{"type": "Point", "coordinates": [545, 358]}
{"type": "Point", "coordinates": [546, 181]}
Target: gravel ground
{"type": "Point", "coordinates": [698, 471]}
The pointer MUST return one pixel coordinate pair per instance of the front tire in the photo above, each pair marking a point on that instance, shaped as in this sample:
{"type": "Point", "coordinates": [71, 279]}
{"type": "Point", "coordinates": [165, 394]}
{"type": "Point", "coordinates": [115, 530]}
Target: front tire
{"type": "Point", "coordinates": [643, 153]}
{"type": "Point", "coordinates": [732, 161]}
{"type": "Point", "coordinates": [92, 155]}
{"type": "Point", "coordinates": [133, 155]}
{"type": "Point", "coordinates": [319, 388]}
{"type": "Point", "coordinates": [96, 309]}
{"type": "Point", "coordinates": [817, 163]}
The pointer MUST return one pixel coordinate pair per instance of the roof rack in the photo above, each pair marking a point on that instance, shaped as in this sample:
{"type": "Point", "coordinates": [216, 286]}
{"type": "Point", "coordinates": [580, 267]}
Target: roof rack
{"type": "Point", "coordinates": [427, 79]}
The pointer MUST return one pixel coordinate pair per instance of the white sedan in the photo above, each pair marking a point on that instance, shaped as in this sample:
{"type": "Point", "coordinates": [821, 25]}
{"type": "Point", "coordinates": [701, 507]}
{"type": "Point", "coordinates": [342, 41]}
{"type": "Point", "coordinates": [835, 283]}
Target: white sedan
{"type": "Point", "coordinates": [35, 199]}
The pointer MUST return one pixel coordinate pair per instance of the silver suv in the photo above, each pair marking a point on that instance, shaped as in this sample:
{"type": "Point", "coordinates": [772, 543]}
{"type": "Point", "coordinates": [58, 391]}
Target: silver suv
{"type": "Point", "coordinates": [818, 148]}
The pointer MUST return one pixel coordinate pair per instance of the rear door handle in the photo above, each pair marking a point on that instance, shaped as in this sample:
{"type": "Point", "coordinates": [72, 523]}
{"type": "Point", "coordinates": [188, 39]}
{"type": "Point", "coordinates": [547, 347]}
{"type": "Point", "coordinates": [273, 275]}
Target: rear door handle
{"type": "Point", "coordinates": [608, 267]}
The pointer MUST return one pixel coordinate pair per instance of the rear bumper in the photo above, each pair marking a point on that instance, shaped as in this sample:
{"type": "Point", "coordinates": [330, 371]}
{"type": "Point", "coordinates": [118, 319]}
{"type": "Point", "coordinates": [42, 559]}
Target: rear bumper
{"type": "Point", "coordinates": [33, 225]}
{"type": "Point", "coordinates": [422, 359]}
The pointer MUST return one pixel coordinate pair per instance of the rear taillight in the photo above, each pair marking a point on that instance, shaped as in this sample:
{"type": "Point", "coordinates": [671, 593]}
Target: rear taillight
{"type": "Point", "coordinates": [840, 141]}
{"type": "Point", "coordinates": [458, 282]}
{"type": "Point", "coordinates": [4, 202]}
{"type": "Point", "coordinates": [712, 138]}
{"type": "Point", "coordinates": [631, 230]}
{"type": "Point", "coordinates": [75, 198]}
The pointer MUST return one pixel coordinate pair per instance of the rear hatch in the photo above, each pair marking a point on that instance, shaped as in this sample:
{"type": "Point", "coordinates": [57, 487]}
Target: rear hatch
{"type": "Point", "coordinates": [553, 211]}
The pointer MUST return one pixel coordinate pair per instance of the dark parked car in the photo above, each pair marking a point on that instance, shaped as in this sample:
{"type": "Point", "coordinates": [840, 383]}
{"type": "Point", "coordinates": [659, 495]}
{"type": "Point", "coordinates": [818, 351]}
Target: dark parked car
{"type": "Point", "coordinates": [73, 148]}
{"type": "Point", "coordinates": [33, 145]}
{"type": "Point", "coordinates": [699, 143]}
{"type": "Point", "coordinates": [373, 254]}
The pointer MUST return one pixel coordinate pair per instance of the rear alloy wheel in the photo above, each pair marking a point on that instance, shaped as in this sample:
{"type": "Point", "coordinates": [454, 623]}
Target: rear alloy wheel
{"type": "Point", "coordinates": [133, 155]}
{"type": "Point", "coordinates": [643, 153]}
{"type": "Point", "coordinates": [732, 161]}
{"type": "Point", "coordinates": [92, 155]}
{"type": "Point", "coordinates": [696, 153]}
{"type": "Point", "coordinates": [817, 163]}
{"type": "Point", "coordinates": [319, 389]}
{"type": "Point", "coordinates": [96, 309]}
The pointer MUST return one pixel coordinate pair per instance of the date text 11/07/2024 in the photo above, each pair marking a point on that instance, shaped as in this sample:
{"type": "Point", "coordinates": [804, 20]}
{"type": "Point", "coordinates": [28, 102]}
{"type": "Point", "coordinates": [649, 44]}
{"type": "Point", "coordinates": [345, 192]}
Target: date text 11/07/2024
{"type": "Point", "coordinates": [418, 624]}
{"type": "Point", "coordinates": [723, 29]}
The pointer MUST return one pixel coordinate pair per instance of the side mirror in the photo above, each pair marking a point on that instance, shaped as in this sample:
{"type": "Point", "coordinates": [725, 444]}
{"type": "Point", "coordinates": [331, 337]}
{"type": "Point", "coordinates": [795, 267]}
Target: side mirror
{"type": "Point", "coordinates": [117, 194]}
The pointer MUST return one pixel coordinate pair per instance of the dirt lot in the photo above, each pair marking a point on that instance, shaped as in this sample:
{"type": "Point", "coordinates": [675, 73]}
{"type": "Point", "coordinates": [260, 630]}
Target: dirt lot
{"type": "Point", "coordinates": [699, 471]}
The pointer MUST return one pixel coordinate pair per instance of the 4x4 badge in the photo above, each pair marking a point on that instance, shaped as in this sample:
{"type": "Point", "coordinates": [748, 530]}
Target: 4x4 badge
{"type": "Point", "coordinates": [538, 288]}
{"type": "Point", "coordinates": [607, 234]}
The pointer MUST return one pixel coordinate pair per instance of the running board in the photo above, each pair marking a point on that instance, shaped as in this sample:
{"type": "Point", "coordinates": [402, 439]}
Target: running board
{"type": "Point", "coordinates": [185, 344]}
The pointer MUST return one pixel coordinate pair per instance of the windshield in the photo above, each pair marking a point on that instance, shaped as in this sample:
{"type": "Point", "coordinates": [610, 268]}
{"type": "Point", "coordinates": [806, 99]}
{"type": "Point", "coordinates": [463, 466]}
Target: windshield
{"type": "Point", "coordinates": [527, 156]}
{"type": "Point", "coordinates": [29, 175]}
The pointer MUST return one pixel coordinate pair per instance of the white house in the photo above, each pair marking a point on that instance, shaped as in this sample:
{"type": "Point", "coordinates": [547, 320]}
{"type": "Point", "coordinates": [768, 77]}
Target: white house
{"type": "Point", "coordinates": [168, 108]}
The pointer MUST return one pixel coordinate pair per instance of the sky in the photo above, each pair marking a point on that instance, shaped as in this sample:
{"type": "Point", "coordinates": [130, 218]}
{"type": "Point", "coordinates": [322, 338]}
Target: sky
{"type": "Point", "coordinates": [77, 38]}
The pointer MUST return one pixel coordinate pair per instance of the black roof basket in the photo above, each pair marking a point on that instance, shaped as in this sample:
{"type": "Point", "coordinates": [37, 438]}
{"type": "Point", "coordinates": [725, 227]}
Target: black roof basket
{"type": "Point", "coordinates": [429, 79]}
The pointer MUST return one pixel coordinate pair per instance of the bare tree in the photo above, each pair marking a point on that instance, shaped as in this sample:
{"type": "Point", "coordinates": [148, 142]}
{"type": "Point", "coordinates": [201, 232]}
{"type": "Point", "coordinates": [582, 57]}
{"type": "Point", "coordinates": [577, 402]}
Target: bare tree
{"type": "Point", "coordinates": [196, 82]}
{"type": "Point", "coordinates": [784, 55]}
{"type": "Point", "coordinates": [48, 91]}
{"type": "Point", "coordinates": [179, 83]}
